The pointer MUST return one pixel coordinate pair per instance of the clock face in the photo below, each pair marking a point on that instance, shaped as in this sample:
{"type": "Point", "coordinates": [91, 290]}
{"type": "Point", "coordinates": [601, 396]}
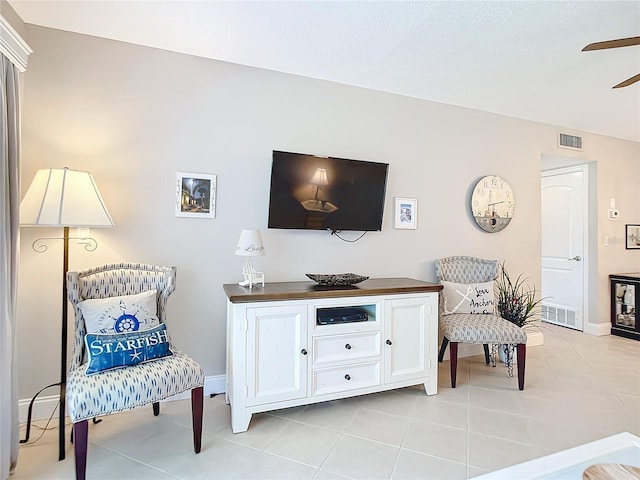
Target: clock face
{"type": "Point", "coordinates": [492, 203]}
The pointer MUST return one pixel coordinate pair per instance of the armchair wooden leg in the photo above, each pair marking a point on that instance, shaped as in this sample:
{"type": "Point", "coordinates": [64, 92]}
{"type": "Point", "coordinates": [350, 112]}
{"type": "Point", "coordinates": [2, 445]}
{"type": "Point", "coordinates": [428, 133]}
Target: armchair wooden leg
{"type": "Point", "coordinates": [453, 359]}
{"type": "Point", "coordinates": [486, 353]}
{"type": "Point", "coordinates": [522, 358]}
{"type": "Point", "coordinates": [81, 434]}
{"type": "Point", "coordinates": [197, 395]}
{"type": "Point", "coordinates": [156, 409]}
{"type": "Point", "coordinates": [445, 340]}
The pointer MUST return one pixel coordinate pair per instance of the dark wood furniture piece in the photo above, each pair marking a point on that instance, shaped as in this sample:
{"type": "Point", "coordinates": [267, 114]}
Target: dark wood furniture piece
{"type": "Point", "coordinates": [625, 298]}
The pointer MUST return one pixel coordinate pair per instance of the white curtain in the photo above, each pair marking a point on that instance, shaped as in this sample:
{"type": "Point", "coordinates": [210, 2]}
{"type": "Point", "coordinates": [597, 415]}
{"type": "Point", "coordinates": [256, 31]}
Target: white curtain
{"type": "Point", "coordinates": [9, 245]}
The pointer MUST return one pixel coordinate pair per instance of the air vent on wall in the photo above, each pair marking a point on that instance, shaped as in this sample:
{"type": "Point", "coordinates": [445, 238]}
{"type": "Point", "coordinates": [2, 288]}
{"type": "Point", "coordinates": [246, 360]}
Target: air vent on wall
{"type": "Point", "coordinates": [567, 317]}
{"type": "Point", "coordinates": [569, 141]}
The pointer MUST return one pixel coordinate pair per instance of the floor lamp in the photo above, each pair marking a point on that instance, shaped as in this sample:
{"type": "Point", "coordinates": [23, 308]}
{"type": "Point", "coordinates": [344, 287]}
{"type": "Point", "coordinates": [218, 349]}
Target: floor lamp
{"type": "Point", "coordinates": [62, 197]}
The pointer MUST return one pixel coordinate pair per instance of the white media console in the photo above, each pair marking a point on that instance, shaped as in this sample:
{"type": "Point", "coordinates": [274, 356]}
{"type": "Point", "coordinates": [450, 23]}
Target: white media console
{"type": "Point", "coordinates": [279, 356]}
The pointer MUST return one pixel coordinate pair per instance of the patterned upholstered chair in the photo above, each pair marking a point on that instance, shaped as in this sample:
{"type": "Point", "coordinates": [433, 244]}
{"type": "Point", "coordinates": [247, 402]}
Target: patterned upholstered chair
{"type": "Point", "coordinates": [115, 390]}
{"type": "Point", "coordinates": [484, 328]}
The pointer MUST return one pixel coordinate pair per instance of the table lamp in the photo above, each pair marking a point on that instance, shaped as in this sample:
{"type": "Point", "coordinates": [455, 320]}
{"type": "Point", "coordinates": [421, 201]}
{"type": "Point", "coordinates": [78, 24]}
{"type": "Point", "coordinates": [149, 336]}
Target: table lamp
{"type": "Point", "coordinates": [319, 179]}
{"type": "Point", "coordinates": [250, 245]}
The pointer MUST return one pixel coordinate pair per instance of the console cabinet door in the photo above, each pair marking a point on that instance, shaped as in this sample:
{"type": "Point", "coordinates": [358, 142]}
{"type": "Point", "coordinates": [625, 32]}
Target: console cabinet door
{"type": "Point", "coordinates": [406, 339]}
{"type": "Point", "coordinates": [276, 354]}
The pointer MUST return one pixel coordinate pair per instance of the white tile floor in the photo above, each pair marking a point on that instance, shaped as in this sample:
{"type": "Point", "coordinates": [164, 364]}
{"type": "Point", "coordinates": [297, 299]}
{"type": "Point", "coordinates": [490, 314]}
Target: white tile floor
{"type": "Point", "coordinates": [579, 388]}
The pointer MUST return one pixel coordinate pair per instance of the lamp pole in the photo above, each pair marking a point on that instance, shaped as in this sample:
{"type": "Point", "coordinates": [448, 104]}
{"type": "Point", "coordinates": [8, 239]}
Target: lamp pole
{"type": "Point", "coordinates": [63, 347]}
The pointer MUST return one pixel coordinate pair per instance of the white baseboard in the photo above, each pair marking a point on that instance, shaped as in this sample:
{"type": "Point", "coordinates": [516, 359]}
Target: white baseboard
{"type": "Point", "coordinates": [472, 349]}
{"type": "Point", "coordinates": [535, 338]}
{"type": "Point", "coordinates": [212, 385]}
{"type": "Point", "coordinates": [45, 407]}
{"type": "Point", "coordinates": [598, 329]}
{"type": "Point", "coordinates": [465, 350]}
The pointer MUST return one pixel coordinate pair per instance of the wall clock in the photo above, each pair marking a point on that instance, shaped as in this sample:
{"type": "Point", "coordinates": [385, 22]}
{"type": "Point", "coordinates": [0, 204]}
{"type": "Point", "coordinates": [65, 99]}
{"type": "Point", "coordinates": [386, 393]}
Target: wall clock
{"type": "Point", "coordinates": [492, 203]}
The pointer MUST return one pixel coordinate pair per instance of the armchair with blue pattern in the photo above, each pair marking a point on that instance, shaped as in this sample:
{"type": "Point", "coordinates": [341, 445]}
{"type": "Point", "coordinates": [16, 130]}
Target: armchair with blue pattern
{"type": "Point", "coordinates": [116, 390]}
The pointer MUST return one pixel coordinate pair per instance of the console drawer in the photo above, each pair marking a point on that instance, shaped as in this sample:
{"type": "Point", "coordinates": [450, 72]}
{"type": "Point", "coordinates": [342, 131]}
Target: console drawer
{"type": "Point", "coordinates": [346, 377]}
{"type": "Point", "coordinates": [340, 348]}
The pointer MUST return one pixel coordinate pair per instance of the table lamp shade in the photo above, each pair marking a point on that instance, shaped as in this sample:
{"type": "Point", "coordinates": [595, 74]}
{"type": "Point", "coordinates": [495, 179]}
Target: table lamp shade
{"type": "Point", "coordinates": [63, 197]}
{"type": "Point", "coordinates": [320, 177]}
{"type": "Point", "coordinates": [250, 244]}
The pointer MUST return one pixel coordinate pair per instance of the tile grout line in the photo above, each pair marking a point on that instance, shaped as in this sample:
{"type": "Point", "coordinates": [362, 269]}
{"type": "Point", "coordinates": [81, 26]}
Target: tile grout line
{"type": "Point", "coordinates": [152, 467]}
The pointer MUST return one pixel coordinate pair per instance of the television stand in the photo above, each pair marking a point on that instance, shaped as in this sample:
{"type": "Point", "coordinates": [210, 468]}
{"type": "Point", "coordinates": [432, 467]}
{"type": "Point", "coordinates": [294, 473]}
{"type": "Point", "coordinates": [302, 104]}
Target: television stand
{"type": "Point", "coordinates": [281, 353]}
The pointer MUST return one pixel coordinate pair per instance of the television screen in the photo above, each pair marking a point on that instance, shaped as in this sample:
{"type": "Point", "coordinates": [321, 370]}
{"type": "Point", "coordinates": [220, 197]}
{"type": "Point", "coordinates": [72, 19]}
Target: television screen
{"type": "Point", "coordinates": [326, 193]}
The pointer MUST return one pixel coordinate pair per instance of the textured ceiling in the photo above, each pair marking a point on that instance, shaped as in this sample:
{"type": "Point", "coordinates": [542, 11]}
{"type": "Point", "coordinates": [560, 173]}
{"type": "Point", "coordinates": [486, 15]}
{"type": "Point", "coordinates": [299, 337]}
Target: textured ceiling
{"type": "Point", "coordinates": [518, 58]}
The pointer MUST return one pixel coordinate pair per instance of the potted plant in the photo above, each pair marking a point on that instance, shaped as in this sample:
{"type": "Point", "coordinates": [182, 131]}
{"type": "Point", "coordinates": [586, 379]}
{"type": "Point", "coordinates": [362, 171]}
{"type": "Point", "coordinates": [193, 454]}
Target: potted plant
{"type": "Point", "coordinates": [516, 301]}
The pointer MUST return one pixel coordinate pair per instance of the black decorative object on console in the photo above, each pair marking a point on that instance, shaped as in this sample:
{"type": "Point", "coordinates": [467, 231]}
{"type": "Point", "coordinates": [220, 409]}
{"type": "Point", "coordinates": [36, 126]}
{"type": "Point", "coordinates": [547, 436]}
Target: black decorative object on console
{"type": "Point", "coordinates": [336, 279]}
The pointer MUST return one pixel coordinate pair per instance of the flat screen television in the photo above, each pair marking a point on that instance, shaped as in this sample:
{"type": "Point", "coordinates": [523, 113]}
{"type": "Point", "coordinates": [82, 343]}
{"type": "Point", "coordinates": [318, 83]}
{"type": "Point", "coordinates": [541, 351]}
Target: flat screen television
{"type": "Point", "coordinates": [326, 193]}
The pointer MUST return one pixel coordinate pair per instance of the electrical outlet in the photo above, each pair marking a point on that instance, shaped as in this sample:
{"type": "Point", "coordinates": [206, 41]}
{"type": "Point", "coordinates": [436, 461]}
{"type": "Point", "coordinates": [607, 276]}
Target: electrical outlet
{"type": "Point", "coordinates": [613, 214]}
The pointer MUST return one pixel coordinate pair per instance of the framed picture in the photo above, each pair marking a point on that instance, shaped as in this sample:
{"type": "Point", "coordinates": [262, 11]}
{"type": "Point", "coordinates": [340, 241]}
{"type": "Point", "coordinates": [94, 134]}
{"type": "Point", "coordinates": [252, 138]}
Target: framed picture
{"type": "Point", "coordinates": [633, 236]}
{"type": "Point", "coordinates": [195, 195]}
{"type": "Point", "coordinates": [406, 213]}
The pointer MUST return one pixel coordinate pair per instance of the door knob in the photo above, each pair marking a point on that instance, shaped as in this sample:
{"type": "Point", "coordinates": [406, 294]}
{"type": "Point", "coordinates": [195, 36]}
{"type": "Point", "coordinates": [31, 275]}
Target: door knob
{"type": "Point", "coordinates": [577, 258]}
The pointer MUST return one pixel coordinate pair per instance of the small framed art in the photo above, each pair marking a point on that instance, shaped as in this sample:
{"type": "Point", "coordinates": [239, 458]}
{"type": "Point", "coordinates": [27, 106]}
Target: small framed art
{"type": "Point", "coordinates": [195, 195]}
{"type": "Point", "coordinates": [406, 213]}
{"type": "Point", "coordinates": [632, 235]}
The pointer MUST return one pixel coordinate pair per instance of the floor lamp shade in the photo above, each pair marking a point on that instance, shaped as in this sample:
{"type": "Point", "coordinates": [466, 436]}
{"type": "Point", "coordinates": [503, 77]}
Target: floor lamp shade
{"type": "Point", "coordinates": [63, 197]}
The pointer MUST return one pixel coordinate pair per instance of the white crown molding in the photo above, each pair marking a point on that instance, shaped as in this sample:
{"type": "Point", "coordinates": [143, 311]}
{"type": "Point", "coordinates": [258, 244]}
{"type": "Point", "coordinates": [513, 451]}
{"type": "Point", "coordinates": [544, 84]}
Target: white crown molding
{"type": "Point", "coordinates": [13, 46]}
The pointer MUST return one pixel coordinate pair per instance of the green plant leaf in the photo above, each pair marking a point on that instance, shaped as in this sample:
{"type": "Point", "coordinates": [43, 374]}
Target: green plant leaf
{"type": "Point", "coordinates": [516, 299]}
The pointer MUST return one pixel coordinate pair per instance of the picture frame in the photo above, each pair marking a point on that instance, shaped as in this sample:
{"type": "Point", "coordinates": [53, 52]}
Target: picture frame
{"type": "Point", "coordinates": [632, 236]}
{"type": "Point", "coordinates": [406, 213]}
{"type": "Point", "coordinates": [195, 195]}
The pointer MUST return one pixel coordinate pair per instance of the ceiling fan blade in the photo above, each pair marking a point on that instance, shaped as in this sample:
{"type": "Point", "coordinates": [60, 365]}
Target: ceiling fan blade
{"type": "Point", "coordinates": [620, 42]}
{"type": "Point", "coordinates": [628, 81]}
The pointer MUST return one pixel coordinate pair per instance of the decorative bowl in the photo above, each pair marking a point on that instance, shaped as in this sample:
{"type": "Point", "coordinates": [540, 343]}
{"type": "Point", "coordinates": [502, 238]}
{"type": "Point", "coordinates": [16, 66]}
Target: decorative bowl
{"type": "Point", "coordinates": [336, 279]}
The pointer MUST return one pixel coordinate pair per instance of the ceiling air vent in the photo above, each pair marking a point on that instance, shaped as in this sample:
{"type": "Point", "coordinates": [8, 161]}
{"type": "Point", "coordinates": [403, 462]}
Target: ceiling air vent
{"type": "Point", "coordinates": [569, 141]}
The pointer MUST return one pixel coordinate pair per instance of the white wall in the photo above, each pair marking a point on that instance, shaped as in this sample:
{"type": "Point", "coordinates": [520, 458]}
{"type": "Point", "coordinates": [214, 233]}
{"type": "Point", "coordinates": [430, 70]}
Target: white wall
{"type": "Point", "coordinates": [134, 116]}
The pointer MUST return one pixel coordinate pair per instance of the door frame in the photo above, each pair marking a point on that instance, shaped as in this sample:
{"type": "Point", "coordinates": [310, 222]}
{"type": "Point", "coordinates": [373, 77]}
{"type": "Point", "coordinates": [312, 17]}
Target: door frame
{"type": "Point", "coordinates": [590, 298]}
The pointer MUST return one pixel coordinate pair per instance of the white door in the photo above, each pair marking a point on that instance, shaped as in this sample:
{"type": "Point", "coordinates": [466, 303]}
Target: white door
{"type": "Point", "coordinates": [564, 200]}
{"type": "Point", "coordinates": [406, 338]}
{"type": "Point", "coordinates": [276, 354]}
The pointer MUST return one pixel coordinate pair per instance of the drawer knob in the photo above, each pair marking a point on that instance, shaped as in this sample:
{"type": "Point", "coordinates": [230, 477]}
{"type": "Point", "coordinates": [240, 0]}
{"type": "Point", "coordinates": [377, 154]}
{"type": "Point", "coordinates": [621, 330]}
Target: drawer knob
{"type": "Point", "coordinates": [347, 346]}
{"type": "Point", "coordinates": [347, 377]}
{"type": "Point", "coordinates": [388, 342]}
{"type": "Point", "coordinates": [303, 351]}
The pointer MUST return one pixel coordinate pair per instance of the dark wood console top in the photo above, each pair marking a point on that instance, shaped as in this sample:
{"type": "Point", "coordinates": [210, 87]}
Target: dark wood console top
{"type": "Point", "coordinates": [308, 290]}
{"type": "Point", "coordinates": [632, 276]}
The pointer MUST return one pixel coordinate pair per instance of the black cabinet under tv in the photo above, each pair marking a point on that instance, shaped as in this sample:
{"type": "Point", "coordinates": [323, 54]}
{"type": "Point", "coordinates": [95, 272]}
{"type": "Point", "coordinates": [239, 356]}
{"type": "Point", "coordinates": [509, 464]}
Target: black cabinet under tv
{"type": "Point", "coordinates": [625, 298]}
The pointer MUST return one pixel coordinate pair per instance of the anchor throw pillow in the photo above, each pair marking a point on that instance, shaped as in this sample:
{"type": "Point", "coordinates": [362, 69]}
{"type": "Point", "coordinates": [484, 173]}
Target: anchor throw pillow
{"type": "Point", "coordinates": [126, 313]}
{"type": "Point", "coordinates": [468, 298]}
{"type": "Point", "coordinates": [109, 351]}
